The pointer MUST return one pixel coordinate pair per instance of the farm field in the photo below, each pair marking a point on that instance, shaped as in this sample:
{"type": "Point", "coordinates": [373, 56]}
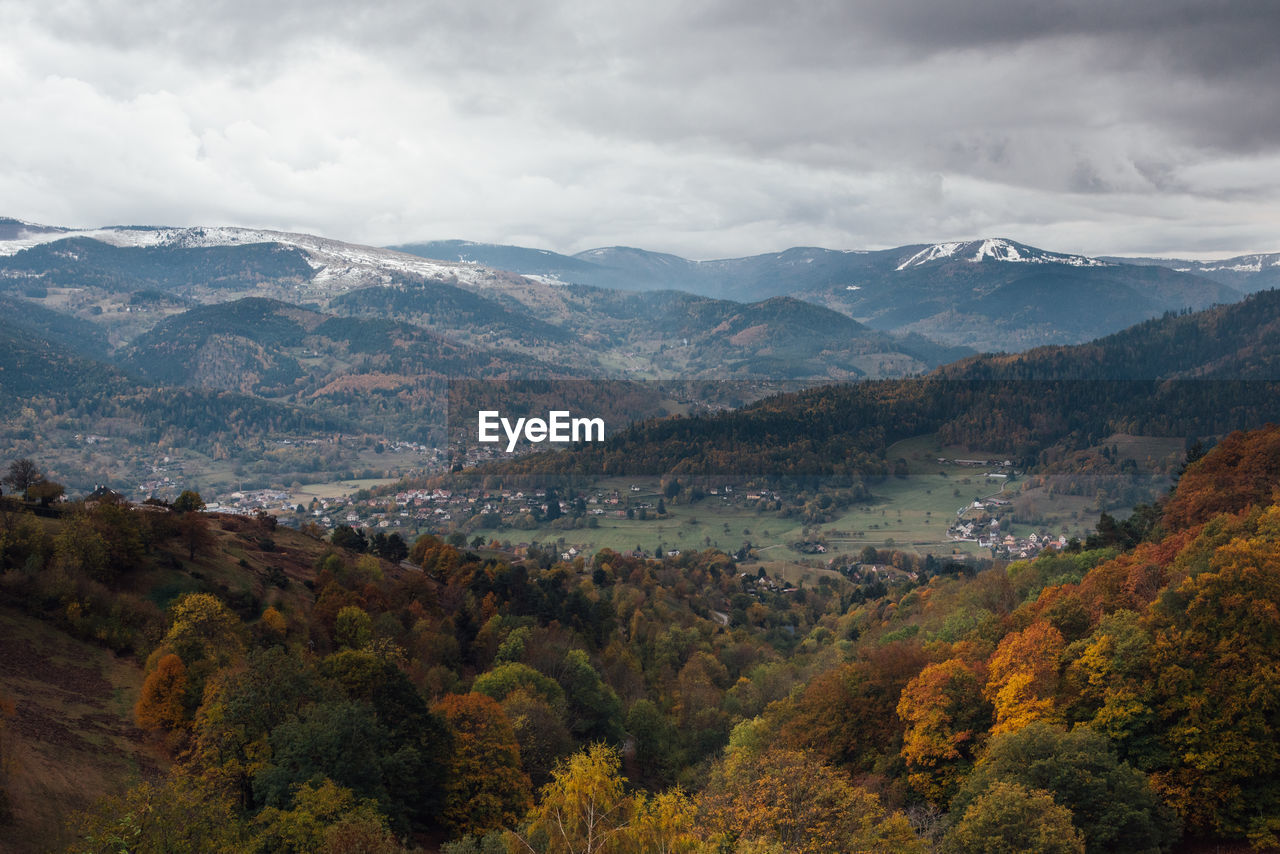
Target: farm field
{"type": "Point", "coordinates": [910, 512]}
{"type": "Point", "coordinates": [336, 488]}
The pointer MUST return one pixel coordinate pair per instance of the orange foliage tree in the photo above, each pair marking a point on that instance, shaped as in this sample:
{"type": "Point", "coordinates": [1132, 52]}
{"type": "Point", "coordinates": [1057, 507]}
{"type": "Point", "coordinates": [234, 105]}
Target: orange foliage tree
{"type": "Point", "coordinates": [486, 788]}
{"type": "Point", "coordinates": [163, 693]}
{"type": "Point", "coordinates": [793, 799]}
{"type": "Point", "coordinates": [1243, 470]}
{"type": "Point", "coordinates": [946, 720]}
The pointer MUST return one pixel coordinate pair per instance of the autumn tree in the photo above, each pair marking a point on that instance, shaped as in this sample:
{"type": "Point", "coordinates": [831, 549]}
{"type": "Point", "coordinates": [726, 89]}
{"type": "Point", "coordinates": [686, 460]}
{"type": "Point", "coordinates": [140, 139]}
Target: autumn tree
{"type": "Point", "coordinates": [585, 808]}
{"type": "Point", "coordinates": [510, 676]}
{"type": "Point", "coordinates": [946, 720]}
{"type": "Point", "coordinates": [1241, 471]}
{"type": "Point", "coordinates": [848, 714]}
{"type": "Point", "coordinates": [353, 628]}
{"type": "Point", "coordinates": [205, 636]}
{"type": "Point", "coordinates": [326, 819]}
{"type": "Point", "coordinates": [664, 823]}
{"type": "Point", "coordinates": [485, 787]}
{"type": "Point", "coordinates": [1108, 686]}
{"type": "Point", "coordinates": [201, 628]}
{"type": "Point", "coordinates": [272, 626]}
{"type": "Point", "coordinates": [161, 705]}
{"type": "Point", "coordinates": [1023, 677]}
{"type": "Point", "coordinates": [1215, 649]}
{"type": "Point", "coordinates": [793, 799]}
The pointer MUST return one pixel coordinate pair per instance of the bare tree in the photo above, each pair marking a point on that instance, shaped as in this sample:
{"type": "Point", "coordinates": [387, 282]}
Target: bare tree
{"type": "Point", "coordinates": [22, 475]}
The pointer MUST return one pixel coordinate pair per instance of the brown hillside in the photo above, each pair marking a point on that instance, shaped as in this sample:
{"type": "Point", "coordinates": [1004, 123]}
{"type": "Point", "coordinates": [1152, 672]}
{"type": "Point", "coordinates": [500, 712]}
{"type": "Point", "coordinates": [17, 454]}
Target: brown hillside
{"type": "Point", "coordinates": [68, 732]}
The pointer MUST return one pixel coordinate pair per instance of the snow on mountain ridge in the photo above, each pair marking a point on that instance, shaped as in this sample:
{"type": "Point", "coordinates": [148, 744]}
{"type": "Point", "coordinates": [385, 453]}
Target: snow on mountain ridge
{"type": "Point", "coordinates": [338, 265]}
{"type": "Point", "coordinates": [932, 253]}
{"type": "Point", "coordinates": [1239, 264]}
{"type": "Point", "coordinates": [996, 249]}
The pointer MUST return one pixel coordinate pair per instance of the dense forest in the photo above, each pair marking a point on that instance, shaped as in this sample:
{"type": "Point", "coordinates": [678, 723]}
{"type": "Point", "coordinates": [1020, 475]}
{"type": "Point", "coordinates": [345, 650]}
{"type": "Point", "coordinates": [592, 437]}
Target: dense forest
{"type": "Point", "coordinates": [1117, 696]}
{"type": "Point", "coordinates": [1182, 375]}
{"type": "Point", "coordinates": [82, 261]}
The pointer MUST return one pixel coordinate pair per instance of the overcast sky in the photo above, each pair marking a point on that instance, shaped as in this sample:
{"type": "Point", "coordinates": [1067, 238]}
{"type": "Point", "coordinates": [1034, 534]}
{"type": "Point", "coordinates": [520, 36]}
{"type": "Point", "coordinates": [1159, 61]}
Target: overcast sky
{"type": "Point", "coordinates": [705, 128]}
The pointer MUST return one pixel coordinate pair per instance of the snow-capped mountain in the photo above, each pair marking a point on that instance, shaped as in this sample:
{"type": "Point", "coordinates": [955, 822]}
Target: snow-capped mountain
{"type": "Point", "coordinates": [997, 294]}
{"type": "Point", "coordinates": [1247, 273]}
{"type": "Point", "coordinates": [992, 294]}
{"type": "Point", "coordinates": [996, 249]}
{"type": "Point", "coordinates": [338, 266]}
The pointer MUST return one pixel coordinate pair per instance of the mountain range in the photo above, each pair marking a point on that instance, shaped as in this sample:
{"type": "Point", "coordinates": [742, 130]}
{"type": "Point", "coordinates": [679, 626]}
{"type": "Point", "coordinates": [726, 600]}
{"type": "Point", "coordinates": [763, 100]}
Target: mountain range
{"type": "Point", "coordinates": [108, 328]}
{"type": "Point", "coordinates": [1246, 273]}
{"type": "Point", "coordinates": [130, 280]}
{"type": "Point", "coordinates": [992, 294]}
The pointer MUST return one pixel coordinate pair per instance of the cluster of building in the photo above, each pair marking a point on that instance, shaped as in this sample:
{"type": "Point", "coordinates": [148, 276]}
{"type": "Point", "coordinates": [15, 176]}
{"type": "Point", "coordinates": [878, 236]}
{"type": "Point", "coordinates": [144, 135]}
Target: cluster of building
{"type": "Point", "coordinates": [165, 482]}
{"type": "Point", "coordinates": [249, 502]}
{"type": "Point", "coordinates": [983, 528]}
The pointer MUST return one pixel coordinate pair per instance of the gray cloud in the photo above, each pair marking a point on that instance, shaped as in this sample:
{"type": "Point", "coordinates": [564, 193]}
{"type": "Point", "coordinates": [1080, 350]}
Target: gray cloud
{"type": "Point", "coordinates": [713, 128]}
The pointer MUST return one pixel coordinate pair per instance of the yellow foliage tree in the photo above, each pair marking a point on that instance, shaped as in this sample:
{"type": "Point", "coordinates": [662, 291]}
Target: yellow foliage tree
{"type": "Point", "coordinates": [1023, 677]}
{"type": "Point", "coordinates": [946, 719]}
{"type": "Point", "coordinates": [585, 808]}
{"type": "Point", "coordinates": [793, 799]}
{"type": "Point", "coordinates": [663, 824]}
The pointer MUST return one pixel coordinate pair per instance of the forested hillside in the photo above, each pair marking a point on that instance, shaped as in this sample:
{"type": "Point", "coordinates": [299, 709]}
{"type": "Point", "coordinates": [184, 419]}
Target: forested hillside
{"type": "Point", "coordinates": [84, 262]}
{"type": "Point", "coordinates": [1115, 696]}
{"type": "Point", "coordinates": [1183, 375]}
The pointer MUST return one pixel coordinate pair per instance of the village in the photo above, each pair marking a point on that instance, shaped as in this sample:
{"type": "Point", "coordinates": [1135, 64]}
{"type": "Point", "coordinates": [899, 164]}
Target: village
{"type": "Point", "coordinates": [649, 516]}
{"type": "Point", "coordinates": [979, 522]}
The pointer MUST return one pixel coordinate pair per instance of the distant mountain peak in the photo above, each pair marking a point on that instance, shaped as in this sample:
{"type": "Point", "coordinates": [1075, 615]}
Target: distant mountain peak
{"type": "Point", "coordinates": [16, 229]}
{"type": "Point", "coordinates": [1240, 264]}
{"type": "Point", "coordinates": [994, 249]}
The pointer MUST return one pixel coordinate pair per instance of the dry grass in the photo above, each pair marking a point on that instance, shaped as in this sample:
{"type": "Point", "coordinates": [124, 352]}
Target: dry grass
{"type": "Point", "coordinates": [70, 738]}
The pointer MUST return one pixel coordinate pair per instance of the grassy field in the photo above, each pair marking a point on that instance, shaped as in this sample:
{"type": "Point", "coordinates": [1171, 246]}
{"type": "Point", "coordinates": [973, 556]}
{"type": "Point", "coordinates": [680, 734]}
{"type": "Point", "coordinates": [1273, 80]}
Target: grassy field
{"type": "Point", "coordinates": [336, 488]}
{"type": "Point", "coordinates": [911, 513]}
